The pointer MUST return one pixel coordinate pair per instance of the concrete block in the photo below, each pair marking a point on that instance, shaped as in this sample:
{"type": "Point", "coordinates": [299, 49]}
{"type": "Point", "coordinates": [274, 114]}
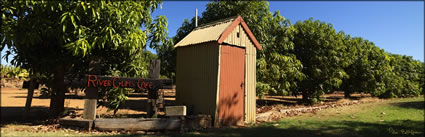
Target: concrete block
{"type": "Point", "coordinates": [175, 110]}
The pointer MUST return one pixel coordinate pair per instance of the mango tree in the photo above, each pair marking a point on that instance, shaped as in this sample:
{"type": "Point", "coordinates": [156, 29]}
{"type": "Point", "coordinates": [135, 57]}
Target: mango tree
{"type": "Point", "coordinates": [368, 67]}
{"type": "Point", "coordinates": [404, 80]}
{"type": "Point", "coordinates": [57, 38]}
{"type": "Point", "coordinates": [321, 51]}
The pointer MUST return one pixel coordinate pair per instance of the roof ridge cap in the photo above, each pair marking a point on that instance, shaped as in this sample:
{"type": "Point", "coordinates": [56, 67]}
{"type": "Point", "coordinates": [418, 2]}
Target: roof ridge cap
{"type": "Point", "coordinates": [216, 22]}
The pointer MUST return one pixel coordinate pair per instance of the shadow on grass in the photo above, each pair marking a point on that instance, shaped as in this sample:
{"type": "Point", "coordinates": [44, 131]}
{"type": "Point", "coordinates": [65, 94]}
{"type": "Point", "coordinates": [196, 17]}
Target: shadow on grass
{"type": "Point", "coordinates": [327, 129]}
{"type": "Point", "coordinates": [14, 115]}
{"type": "Point", "coordinates": [405, 128]}
{"type": "Point", "coordinates": [415, 105]}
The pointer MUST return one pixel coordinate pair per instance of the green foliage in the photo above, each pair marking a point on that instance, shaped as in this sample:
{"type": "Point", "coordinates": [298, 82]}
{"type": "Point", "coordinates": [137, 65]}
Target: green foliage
{"type": "Point", "coordinates": [277, 66]}
{"type": "Point", "coordinates": [421, 72]}
{"type": "Point", "coordinates": [13, 72]}
{"type": "Point", "coordinates": [368, 68]}
{"type": "Point", "coordinates": [42, 33]}
{"type": "Point", "coordinates": [69, 34]}
{"type": "Point", "coordinates": [321, 51]}
{"type": "Point", "coordinates": [167, 54]}
{"type": "Point", "coordinates": [139, 66]}
{"type": "Point", "coordinates": [262, 89]}
{"type": "Point", "coordinates": [45, 92]}
{"type": "Point", "coordinates": [374, 71]}
{"type": "Point", "coordinates": [53, 32]}
{"type": "Point", "coordinates": [113, 98]}
{"type": "Point", "coordinates": [404, 80]}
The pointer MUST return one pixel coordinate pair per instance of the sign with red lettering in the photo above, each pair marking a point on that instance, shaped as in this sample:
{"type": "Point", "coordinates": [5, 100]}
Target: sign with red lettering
{"type": "Point", "coordinates": [119, 82]}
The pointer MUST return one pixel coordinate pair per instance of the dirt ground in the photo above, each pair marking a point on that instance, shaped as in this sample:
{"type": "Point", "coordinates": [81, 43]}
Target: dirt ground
{"type": "Point", "coordinates": [13, 104]}
{"type": "Point", "coordinates": [13, 100]}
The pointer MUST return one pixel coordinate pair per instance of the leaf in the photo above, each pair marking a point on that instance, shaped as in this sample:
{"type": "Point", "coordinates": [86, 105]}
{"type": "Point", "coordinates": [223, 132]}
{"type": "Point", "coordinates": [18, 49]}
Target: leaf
{"type": "Point", "coordinates": [64, 28]}
{"type": "Point", "coordinates": [83, 5]}
{"type": "Point", "coordinates": [63, 17]}
{"type": "Point", "coordinates": [73, 21]}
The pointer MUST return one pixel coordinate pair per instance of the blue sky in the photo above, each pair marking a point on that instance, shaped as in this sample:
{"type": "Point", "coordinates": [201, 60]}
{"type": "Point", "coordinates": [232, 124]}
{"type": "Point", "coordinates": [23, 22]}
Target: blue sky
{"type": "Point", "coordinates": [397, 27]}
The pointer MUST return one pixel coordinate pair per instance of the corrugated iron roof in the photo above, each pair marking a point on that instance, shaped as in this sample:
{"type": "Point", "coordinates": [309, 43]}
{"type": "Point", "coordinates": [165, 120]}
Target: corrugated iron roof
{"type": "Point", "coordinates": [216, 31]}
{"type": "Point", "coordinates": [206, 33]}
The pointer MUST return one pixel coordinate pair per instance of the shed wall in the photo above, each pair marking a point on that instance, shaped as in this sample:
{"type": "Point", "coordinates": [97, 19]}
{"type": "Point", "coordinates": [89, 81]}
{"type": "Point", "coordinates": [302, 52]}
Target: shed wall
{"type": "Point", "coordinates": [250, 69]}
{"type": "Point", "coordinates": [196, 77]}
{"type": "Point", "coordinates": [233, 39]}
{"type": "Point", "coordinates": [251, 81]}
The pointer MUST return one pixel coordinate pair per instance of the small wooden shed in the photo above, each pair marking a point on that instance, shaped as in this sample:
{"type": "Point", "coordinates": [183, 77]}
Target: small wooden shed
{"type": "Point", "coordinates": [216, 71]}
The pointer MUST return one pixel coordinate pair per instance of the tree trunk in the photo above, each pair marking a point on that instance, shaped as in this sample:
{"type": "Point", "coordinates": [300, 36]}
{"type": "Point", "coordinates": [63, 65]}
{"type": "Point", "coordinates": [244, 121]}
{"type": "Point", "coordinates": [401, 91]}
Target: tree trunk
{"type": "Point", "coordinates": [29, 99]}
{"type": "Point", "coordinates": [347, 94]}
{"type": "Point", "coordinates": [57, 99]}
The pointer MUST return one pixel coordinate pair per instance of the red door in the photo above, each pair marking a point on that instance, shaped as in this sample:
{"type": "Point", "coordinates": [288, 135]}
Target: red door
{"type": "Point", "coordinates": [232, 85]}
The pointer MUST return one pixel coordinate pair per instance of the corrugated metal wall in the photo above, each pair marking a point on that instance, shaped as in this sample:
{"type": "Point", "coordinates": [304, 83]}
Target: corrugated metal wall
{"type": "Point", "coordinates": [250, 69]}
{"type": "Point", "coordinates": [196, 78]}
{"type": "Point", "coordinates": [233, 39]}
{"type": "Point", "coordinates": [251, 80]}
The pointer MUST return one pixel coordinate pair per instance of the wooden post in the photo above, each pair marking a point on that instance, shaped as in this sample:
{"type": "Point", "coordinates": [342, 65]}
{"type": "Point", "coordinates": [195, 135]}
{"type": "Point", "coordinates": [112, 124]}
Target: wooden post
{"type": "Point", "coordinates": [153, 96]}
{"type": "Point", "coordinates": [90, 101]}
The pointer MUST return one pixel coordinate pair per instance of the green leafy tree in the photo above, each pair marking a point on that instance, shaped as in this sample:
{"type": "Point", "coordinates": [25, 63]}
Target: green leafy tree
{"type": "Point", "coordinates": [167, 54]}
{"type": "Point", "coordinates": [368, 67]}
{"type": "Point", "coordinates": [278, 69]}
{"type": "Point", "coordinates": [372, 70]}
{"type": "Point", "coordinates": [13, 72]}
{"type": "Point", "coordinates": [404, 80]}
{"type": "Point", "coordinates": [321, 51]}
{"type": "Point", "coordinates": [393, 81]}
{"type": "Point", "coordinates": [421, 72]}
{"type": "Point", "coordinates": [57, 38]}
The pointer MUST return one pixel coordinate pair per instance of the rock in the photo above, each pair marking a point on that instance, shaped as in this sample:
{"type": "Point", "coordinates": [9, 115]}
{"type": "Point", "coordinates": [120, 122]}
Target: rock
{"type": "Point", "coordinates": [140, 132]}
{"type": "Point", "coordinates": [268, 113]}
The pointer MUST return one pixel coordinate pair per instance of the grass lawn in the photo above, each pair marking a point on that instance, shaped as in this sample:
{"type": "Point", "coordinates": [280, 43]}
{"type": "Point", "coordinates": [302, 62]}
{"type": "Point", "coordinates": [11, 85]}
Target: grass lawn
{"type": "Point", "coordinates": [387, 118]}
{"type": "Point", "coordinates": [396, 117]}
